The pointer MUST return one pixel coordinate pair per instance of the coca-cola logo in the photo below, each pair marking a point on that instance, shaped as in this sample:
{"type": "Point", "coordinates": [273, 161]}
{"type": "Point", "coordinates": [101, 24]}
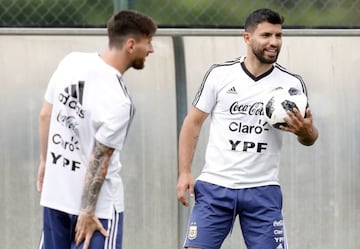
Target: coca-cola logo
{"type": "Point", "coordinates": [255, 109]}
{"type": "Point", "coordinates": [69, 122]}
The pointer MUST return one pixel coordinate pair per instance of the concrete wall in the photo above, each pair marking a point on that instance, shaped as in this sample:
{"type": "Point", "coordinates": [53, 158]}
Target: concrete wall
{"type": "Point", "coordinates": [320, 183]}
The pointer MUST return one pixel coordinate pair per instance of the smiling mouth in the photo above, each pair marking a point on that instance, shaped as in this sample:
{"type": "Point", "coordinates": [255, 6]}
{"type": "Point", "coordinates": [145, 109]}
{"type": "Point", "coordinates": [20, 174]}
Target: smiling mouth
{"type": "Point", "coordinates": [272, 52]}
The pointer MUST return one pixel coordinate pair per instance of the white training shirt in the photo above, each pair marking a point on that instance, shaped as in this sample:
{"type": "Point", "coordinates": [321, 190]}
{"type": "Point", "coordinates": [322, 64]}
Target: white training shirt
{"type": "Point", "coordinates": [90, 101]}
{"type": "Point", "coordinates": [243, 150]}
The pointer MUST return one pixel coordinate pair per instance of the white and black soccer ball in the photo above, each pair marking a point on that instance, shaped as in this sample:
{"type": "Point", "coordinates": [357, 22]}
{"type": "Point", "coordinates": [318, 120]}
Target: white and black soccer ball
{"type": "Point", "coordinates": [280, 100]}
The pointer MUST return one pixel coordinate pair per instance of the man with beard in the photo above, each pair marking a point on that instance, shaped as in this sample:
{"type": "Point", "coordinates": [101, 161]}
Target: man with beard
{"type": "Point", "coordinates": [83, 125]}
{"type": "Point", "coordinates": [240, 175]}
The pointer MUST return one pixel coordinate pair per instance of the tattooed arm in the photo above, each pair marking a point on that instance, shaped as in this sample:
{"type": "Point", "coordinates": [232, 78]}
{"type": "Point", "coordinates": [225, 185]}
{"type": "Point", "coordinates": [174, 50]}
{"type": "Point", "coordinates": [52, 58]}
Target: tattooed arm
{"type": "Point", "coordinates": [87, 222]}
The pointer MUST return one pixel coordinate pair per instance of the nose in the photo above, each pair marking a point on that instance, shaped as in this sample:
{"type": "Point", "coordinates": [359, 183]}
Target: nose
{"type": "Point", "coordinates": [151, 49]}
{"type": "Point", "coordinates": [275, 40]}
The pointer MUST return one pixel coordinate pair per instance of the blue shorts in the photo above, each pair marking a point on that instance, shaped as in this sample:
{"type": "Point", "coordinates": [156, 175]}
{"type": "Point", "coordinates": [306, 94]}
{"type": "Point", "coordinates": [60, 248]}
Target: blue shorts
{"type": "Point", "coordinates": [215, 209]}
{"type": "Point", "coordinates": [59, 231]}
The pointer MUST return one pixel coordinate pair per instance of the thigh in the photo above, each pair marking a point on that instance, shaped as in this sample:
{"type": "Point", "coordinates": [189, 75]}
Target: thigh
{"type": "Point", "coordinates": [262, 220]}
{"type": "Point", "coordinates": [57, 231]}
{"type": "Point", "coordinates": [211, 217]}
{"type": "Point", "coordinates": [114, 227]}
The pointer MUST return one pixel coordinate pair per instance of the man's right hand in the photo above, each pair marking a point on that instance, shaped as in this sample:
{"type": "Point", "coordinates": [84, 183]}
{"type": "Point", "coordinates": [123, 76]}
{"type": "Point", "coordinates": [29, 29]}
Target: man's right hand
{"type": "Point", "coordinates": [185, 183]}
{"type": "Point", "coordinates": [86, 226]}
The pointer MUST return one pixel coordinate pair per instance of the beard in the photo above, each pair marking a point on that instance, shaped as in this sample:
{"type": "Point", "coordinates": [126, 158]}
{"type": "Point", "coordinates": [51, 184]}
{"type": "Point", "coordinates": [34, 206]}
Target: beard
{"type": "Point", "coordinates": [260, 55]}
{"type": "Point", "coordinates": [138, 64]}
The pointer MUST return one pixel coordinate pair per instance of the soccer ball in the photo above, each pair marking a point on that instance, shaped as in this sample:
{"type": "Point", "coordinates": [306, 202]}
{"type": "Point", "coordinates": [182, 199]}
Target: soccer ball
{"type": "Point", "coordinates": [280, 100]}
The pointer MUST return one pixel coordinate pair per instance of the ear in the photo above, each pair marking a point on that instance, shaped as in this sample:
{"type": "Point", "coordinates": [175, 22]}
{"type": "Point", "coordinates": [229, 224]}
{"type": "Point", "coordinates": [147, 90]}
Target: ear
{"type": "Point", "coordinates": [130, 44]}
{"type": "Point", "coordinates": [246, 37]}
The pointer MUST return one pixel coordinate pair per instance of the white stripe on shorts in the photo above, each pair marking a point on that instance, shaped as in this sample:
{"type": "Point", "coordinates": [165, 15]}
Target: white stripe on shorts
{"type": "Point", "coordinates": [285, 235]}
{"type": "Point", "coordinates": [110, 241]}
{"type": "Point", "coordinates": [41, 241]}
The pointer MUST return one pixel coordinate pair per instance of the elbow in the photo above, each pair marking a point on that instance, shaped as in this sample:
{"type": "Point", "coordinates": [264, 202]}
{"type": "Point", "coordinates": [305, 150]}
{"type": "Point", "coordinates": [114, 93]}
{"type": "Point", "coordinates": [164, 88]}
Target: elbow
{"type": "Point", "coordinates": [44, 118]}
{"type": "Point", "coordinates": [45, 112]}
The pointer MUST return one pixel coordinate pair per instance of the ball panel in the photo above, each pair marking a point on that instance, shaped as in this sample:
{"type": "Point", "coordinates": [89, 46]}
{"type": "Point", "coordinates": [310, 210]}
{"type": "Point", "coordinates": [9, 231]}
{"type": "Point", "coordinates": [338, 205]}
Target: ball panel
{"type": "Point", "coordinates": [281, 100]}
{"type": "Point", "coordinates": [277, 125]}
{"type": "Point", "coordinates": [289, 105]}
{"type": "Point", "coordinates": [269, 109]}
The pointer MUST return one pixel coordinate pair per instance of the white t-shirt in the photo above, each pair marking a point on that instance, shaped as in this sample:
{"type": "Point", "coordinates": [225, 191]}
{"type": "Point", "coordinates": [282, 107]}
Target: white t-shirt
{"type": "Point", "coordinates": [90, 101]}
{"type": "Point", "coordinates": [243, 150]}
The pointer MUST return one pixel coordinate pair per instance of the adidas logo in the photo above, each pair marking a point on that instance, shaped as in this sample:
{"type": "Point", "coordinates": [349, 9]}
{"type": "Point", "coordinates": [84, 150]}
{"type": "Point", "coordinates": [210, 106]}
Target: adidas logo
{"type": "Point", "coordinates": [232, 90]}
{"type": "Point", "coordinates": [73, 97]}
{"type": "Point", "coordinates": [76, 91]}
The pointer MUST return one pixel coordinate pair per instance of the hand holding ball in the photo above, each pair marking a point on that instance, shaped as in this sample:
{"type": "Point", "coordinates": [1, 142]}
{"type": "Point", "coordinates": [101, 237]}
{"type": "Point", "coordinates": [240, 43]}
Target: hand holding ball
{"type": "Point", "coordinates": [281, 100]}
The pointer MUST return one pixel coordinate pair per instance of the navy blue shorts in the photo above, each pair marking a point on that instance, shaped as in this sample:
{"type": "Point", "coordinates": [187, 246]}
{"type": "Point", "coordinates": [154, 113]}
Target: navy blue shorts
{"type": "Point", "coordinates": [215, 209]}
{"type": "Point", "coordinates": [59, 231]}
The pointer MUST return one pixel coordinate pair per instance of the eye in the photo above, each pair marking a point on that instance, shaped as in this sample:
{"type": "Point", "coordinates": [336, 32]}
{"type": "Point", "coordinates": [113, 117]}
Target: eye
{"type": "Point", "coordinates": [265, 35]}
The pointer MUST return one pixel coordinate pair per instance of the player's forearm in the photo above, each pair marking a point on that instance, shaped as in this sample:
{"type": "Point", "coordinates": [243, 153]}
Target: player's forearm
{"type": "Point", "coordinates": [188, 139]}
{"type": "Point", "coordinates": [44, 125]}
{"type": "Point", "coordinates": [95, 176]}
{"type": "Point", "coordinates": [185, 160]}
{"type": "Point", "coordinates": [186, 153]}
{"type": "Point", "coordinates": [43, 137]}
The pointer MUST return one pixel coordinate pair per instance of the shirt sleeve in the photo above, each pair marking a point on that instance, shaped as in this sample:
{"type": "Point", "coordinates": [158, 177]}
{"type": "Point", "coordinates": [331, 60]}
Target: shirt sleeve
{"type": "Point", "coordinates": [50, 90]}
{"type": "Point", "coordinates": [205, 98]}
{"type": "Point", "coordinates": [113, 118]}
{"type": "Point", "coordinates": [50, 93]}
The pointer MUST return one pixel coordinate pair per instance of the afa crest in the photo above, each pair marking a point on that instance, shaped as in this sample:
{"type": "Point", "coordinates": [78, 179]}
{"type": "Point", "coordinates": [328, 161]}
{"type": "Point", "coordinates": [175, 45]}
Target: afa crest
{"type": "Point", "coordinates": [192, 234]}
{"type": "Point", "coordinates": [280, 246]}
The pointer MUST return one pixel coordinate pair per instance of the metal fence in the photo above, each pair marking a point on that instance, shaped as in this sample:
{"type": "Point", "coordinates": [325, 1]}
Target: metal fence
{"type": "Point", "coordinates": [177, 13]}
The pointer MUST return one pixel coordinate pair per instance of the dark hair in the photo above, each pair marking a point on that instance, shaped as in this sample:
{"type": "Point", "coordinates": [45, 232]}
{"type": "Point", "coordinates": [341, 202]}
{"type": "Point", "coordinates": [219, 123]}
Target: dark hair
{"type": "Point", "coordinates": [262, 15]}
{"type": "Point", "coordinates": [128, 22]}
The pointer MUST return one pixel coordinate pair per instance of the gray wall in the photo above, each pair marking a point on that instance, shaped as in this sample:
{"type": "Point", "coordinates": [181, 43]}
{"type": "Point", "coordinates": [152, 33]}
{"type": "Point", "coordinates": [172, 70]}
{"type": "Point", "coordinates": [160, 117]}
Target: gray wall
{"type": "Point", "coordinates": [319, 183]}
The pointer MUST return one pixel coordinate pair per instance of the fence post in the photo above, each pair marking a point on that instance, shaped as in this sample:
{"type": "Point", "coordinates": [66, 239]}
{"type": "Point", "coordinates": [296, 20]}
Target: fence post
{"type": "Point", "coordinates": [123, 5]}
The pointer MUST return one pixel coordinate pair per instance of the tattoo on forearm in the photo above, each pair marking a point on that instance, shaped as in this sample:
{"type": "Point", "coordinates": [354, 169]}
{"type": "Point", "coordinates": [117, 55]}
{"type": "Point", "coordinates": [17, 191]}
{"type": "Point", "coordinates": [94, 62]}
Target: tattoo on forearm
{"type": "Point", "coordinates": [95, 176]}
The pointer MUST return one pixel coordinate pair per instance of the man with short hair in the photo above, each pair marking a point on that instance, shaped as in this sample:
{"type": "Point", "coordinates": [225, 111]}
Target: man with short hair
{"type": "Point", "coordinates": [83, 125]}
{"type": "Point", "coordinates": [240, 175]}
